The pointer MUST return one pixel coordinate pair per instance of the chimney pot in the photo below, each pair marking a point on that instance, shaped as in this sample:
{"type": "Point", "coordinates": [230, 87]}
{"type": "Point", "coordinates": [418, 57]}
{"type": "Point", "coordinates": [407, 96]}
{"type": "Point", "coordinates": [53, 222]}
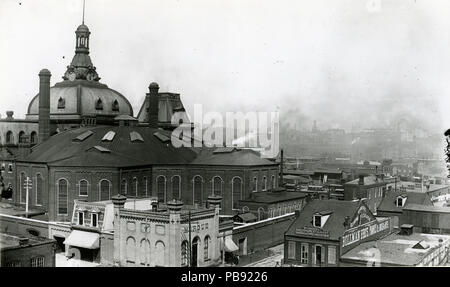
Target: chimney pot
{"type": "Point", "coordinates": [9, 115]}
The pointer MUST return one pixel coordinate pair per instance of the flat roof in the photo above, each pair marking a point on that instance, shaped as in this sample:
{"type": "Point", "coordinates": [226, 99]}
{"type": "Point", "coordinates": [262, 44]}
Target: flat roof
{"type": "Point", "coordinates": [429, 208]}
{"type": "Point", "coordinates": [11, 240]}
{"type": "Point", "coordinates": [14, 210]}
{"type": "Point", "coordinates": [397, 249]}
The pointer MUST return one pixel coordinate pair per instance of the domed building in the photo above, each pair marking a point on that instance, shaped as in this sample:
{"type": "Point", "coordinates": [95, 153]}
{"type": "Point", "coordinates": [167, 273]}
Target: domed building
{"type": "Point", "coordinates": [80, 99]}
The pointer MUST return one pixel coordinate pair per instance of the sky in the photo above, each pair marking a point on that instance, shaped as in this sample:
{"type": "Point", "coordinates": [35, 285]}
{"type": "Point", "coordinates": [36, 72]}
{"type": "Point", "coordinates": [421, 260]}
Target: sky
{"type": "Point", "coordinates": [348, 63]}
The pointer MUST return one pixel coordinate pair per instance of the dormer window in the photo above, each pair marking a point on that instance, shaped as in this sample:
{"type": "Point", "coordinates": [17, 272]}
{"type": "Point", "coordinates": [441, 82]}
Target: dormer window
{"type": "Point", "coordinates": [317, 221]}
{"type": "Point", "coordinates": [61, 103]}
{"type": "Point", "coordinates": [99, 105]}
{"type": "Point", "coordinates": [115, 106]}
{"type": "Point", "coordinates": [400, 201]}
{"type": "Point", "coordinates": [94, 219]}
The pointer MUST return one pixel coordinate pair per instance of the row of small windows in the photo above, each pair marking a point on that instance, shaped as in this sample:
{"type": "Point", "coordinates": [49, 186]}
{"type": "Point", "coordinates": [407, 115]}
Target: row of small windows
{"type": "Point", "coordinates": [264, 183]}
{"type": "Point", "coordinates": [9, 137]}
{"type": "Point", "coordinates": [83, 42]}
{"type": "Point", "coordinates": [144, 252]}
{"type": "Point", "coordinates": [35, 262]}
{"type": "Point", "coordinates": [98, 104]}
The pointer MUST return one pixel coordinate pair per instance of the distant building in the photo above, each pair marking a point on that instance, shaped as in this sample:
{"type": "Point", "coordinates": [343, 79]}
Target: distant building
{"type": "Point", "coordinates": [427, 219]}
{"type": "Point", "coordinates": [372, 188]}
{"type": "Point", "coordinates": [272, 203]}
{"type": "Point", "coordinates": [326, 229]}
{"type": "Point", "coordinates": [21, 251]}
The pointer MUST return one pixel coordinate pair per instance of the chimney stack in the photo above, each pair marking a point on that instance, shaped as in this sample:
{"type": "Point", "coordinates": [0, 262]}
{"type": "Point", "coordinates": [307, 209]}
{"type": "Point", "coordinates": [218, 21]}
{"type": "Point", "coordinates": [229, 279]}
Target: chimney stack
{"type": "Point", "coordinates": [44, 105]}
{"type": "Point", "coordinates": [361, 179]}
{"type": "Point", "coordinates": [153, 100]}
{"type": "Point", "coordinates": [281, 183]}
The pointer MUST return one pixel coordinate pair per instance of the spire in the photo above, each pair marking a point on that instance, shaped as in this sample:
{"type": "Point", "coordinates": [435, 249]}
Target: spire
{"type": "Point", "coordinates": [81, 67]}
{"type": "Point", "coordinates": [84, 4]}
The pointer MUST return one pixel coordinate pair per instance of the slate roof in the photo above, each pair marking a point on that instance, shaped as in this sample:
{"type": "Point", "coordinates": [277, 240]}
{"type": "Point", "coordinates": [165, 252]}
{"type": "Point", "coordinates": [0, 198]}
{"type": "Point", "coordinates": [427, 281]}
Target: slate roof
{"type": "Point", "coordinates": [62, 150]}
{"type": "Point", "coordinates": [335, 223]}
{"type": "Point", "coordinates": [419, 207]}
{"type": "Point", "coordinates": [389, 202]}
{"type": "Point", "coordinates": [236, 157]}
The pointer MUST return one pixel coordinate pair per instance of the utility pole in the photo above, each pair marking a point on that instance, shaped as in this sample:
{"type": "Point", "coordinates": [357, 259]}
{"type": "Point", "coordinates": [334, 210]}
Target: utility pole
{"type": "Point", "coordinates": [28, 184]}
{"type": "Point", "coordinates": [190, 243]}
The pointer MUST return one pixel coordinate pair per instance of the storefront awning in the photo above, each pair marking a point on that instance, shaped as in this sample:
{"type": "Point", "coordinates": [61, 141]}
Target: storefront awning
{"type": "Point", "coordinates": [83, 239]}
{"type": "Point", "coordinates": [229, 245]}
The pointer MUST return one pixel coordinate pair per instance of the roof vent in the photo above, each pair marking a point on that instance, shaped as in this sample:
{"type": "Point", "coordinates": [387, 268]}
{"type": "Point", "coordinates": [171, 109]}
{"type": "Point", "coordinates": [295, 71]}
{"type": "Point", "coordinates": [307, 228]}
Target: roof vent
{"type": "Point", "coordinates": [102, 149]}
{"type": "Point", "coordinates": [83, 136]}
{"type": "Point", "coordinates": [109, 136]}
{"type": "Point", "coordinates": [162, 137]}
{"type": "Point", "coordinates": [421, 245]}
{"type": "Point", "coordinates": [135, 136]}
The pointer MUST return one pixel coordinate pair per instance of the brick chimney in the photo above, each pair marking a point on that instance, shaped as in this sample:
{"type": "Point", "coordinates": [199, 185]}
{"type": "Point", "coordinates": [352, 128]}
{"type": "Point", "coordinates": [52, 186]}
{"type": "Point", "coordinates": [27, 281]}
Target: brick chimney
{"type": "Point", "coordinates": [44, 105]}
{"type": "Point", "coordinates": [153, 108]}
{"type": "Point", "coordinates": [361, 179]}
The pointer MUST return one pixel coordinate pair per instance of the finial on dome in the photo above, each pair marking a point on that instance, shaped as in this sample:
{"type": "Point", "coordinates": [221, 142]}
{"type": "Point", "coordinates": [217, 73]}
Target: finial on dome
{"type": "Point", "coordinates": [84, 4]}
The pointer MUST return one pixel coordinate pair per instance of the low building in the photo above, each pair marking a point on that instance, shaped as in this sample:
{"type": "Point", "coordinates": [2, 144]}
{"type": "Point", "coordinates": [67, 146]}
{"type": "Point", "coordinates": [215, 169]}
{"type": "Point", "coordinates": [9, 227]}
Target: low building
{"type": "Point", "coordinates": [170, 235]}
{"type": "Point", "coordinates": [394, 202]}
{"type": "Point", "coordinates": [401, 249]}
{"type": "Point", "coordinates": [427, 219]}
{"type": "Point", "coordinates": [272, 203]}
{"type": "Point", "coordinates": [21, 251]}
{"type": "Point", "coordinates": [326, 229]}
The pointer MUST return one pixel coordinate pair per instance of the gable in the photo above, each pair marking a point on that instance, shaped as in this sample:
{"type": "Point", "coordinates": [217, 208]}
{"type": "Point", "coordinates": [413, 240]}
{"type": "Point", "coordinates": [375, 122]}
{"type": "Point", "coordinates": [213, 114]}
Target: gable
{"type": "Point", "coordinates": [361, 216]}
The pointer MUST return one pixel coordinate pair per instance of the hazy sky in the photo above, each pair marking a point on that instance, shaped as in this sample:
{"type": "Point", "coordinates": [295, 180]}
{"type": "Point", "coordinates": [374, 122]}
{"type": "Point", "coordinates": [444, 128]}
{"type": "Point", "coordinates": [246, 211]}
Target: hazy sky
{"type": "Point", "coordinates": [342, 63]}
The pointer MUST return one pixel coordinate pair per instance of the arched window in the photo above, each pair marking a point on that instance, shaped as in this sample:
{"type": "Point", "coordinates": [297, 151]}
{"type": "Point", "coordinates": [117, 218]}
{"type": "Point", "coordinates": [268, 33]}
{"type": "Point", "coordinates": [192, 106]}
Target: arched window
{"type": "Point", "coordinates": [197, 183]}
{"type": "Point", "coordinates": [145, 252]}
{"type": "Point", "coordinates": [176, 187]}
{"type": "Point", "coordinates": [236, 191]}
{"type": "Point", "coordinates": [115, 106]}
{"type": "Point", "coordinates": [99, 104]}
{"type": "Point", "coordinates": [62, 196]}
{"type": "Point", "coordinates": [131, 250]}
{"type": "Point", "coordinates": [39, 186]}
{"type": "Point", "coordinates": [161, 188]}
{"type": "Point", "coordinates": [134, 187]}
{"type": "Point", "coordinates": [105, 189]}
{"type": "Point", "coordinates": [159, 253]}
{"type": "Point", "coordinates": [23, 192]}
{"type": "Point", "coordinates": [33, 137]}
{"type": "Point", "coordinates": [61, 103]}
{"type": "Point", "coordinates": [9, 137]}
{"type": "Point", "coordinates": [83, 187]}
{"type": "Point", "coordinates": [21, 137]}
{"type": "Point", "coordinates": [184, 253]}
{"type": "Point", "coordinates": [123, 186]}
{"type": "Point", "coordinates": [206, 244]}
{"type": "Point", "coordinates": [255, 184]}
{"type": "Point", "coordinates": [274, 183]}
{"type": "Point", "coordinates": [217, 185]}
{"type": "Point", "coordinates": [264, 183]}
{"type": "Point", "coordinates": [145, 191]}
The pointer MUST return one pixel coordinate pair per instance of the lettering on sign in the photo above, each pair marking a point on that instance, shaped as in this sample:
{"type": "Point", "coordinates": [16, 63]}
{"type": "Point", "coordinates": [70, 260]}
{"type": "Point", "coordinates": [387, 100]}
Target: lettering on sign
{"type": "Point", "coordinates": [196, 227]}
{"type": "Point", "coordinates": [363, 232]}
{"type": "Point", "coordinates": [313, 232]}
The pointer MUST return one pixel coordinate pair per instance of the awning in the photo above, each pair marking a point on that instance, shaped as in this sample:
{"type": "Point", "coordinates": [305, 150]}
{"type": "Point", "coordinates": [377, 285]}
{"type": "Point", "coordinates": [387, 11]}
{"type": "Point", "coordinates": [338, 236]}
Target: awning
{"type": "Point", "coordinates": [229, 245]}
{"type": "Point", "coordinates": [83, 239]}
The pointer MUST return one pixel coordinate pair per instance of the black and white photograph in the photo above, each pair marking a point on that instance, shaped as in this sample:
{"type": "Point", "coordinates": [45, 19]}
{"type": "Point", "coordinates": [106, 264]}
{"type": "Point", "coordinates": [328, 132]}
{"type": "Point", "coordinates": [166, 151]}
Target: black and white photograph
{"type": "Point", "coordinates": [240, 134]}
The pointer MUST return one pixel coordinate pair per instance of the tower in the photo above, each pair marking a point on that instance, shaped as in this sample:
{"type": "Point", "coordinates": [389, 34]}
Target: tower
{"type": "Point", "coordinates": [44, 105]}
{"type": "Point", "coordinates": [153, 103]}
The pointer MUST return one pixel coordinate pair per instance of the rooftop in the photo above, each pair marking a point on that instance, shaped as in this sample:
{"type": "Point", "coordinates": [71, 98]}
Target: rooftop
{"type": "Point", "coordinates": [427, 208]}
{"type": "Point", "coordinates": [11, 241]}
{"type": "Point", "coordinates": [389, 202]}
{"type": "Point", "coordinates": [274, 196]}
{"type": "Point", "coordinates": [395, 249]}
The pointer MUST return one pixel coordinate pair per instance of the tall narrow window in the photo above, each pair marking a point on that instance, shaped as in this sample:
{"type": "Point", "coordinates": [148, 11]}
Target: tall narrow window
{"type": "Point", "coordinates": [131, 250]}
{"type": "Point", "coordinates": [115, 106]}
{"type": "Point", "coordinates": [123, 186]}
{"type": "Point", "coordinates": [21, 137]}
{"type": "Point", "coordinates": [217, 185]}
{"type": "Point", "coordinates": [80, 218]}
{"type": "Point", "coordinates": [61, 103]}
{"type": "Point", "coordinates": [134, 186]}
{"type": "Point", "coordinates": [37, 261]}
{"type": "Point", "coordinates": [255, 184]}
{"type": "Point", "coordinates": [83, 188]}
{"type": "Point", "coordinates": [206, 247]}
{"type": "Point", "coordinates": [145, 192]}
{"type": "Point", "coordinates": [105, 189]}
{"type": "Point", "coordinates": [264, 183]}
{"type": "Point", "coordinates": [304, 253]}
{"type": "Point", "coordinates": [159, 253]}
{"type": "Point", "coordinates": [274, 183]}
{"type": "Point", "coordinates": [161, 185]}
{"type": "Point", "coordinates": [62, 196]}
{"type": "Point", "coordinates": [184, 253]}
{"type": "Point", "coordinates": [33, 137]}
{"type": "Point", "coordinates": [9, 137]}
{"type": "Point", "coordinates": [198, 189]}
{"type": "Point", "coordinates": [236, 192]}
{"type": "Point", "coordinates": [176, 187]}
{"type": "Point", "coordinates": [99, 104]}
{"type": "Point", "coordinates": [331, 254]}
{"type": "Point", "coordinates": [94, 219]}
{"type": "Point", "coordinates": [291, 249]}
{"type": "Point", "coordinates": [39, 186]}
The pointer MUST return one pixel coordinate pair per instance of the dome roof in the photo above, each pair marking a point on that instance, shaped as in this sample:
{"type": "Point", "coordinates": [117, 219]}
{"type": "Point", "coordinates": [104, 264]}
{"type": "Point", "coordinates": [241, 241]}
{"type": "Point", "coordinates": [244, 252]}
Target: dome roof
{"type": "Point", "coordinates": [73, 99]}
{"type": "Point", "coordinates": [83, 28]}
